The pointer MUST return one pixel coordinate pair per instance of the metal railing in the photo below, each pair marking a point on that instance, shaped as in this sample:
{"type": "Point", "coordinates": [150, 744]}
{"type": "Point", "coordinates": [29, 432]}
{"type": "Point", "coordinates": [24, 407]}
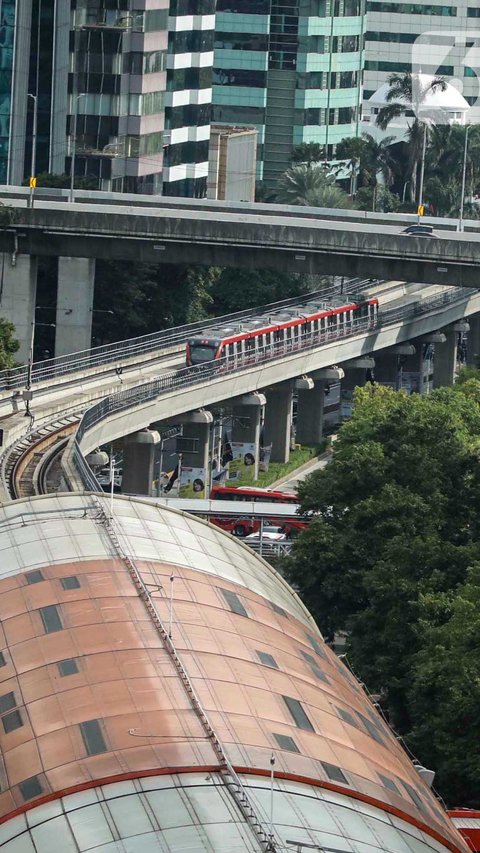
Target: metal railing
{"type": "Point", "coordinates": [191, 376]}
{"type": "Point", "coordinates": [388, 316]}
{"type": "Point", "coordinates": [121, 351]}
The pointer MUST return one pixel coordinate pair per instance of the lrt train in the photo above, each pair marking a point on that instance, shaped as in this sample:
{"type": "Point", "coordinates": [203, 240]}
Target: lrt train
{"type": "Point", "coordinates": [286, 329]}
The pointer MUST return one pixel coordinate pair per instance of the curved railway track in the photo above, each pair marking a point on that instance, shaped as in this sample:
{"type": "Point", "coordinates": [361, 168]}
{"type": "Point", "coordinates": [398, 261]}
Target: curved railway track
{"type": "Point", "coordinates": [31, 465]}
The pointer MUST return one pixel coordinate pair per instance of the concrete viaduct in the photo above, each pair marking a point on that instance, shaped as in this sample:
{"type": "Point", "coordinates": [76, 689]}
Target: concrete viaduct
{"type": "Point", "coordinates": [400, 346]}
{"type": "Point", "coordinates": [240, 236]}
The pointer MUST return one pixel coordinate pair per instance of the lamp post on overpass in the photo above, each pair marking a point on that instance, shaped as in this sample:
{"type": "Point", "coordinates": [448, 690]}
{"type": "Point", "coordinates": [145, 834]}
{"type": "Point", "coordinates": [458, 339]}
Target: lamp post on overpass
{"type": "Point", "coordinates": [464, 174]}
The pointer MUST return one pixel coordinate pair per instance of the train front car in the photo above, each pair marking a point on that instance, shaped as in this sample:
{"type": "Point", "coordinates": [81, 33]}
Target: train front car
{"type": "Point", "coordinates": [202, 350]}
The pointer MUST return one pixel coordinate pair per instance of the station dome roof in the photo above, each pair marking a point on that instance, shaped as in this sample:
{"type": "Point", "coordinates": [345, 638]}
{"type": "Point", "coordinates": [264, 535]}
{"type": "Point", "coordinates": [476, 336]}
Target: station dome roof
{"type": "Point", "coordinates": [148, 660]}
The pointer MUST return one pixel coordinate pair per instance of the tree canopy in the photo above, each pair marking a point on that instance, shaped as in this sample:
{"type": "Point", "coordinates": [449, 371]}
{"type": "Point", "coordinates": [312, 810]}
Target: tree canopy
{"type": "Point", "coordinates": [8, 344]}
{"type": "Point", "coordinates": [392, 557]}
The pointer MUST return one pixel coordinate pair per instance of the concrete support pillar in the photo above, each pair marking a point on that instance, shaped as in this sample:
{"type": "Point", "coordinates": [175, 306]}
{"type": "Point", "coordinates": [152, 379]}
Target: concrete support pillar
{"type": "Point", "coordinates": [17, 298]}
{"type": "Point", "coordinates": [310, 405]}
{"type": "Point", "coordinates": [138, 462]}
{"type": "Point", "coordinates": [417, 369]}
{"type": "Point", "coordinates": [445, 359]}
{"type": "Point", "coordinates": [389, 365]}
{"type": "Point", "coordinates": [473, 341]}
{"type": "Point", "coordinates": [246, 427]}
{"type": "Point", "coordinates": [356, 372]}
{"type": "Point", "coordinates": [76, 278]}
{"type": "Point", "coordinates": [278, 420]}
{"type": "Point", "coordinates": [194, 468]}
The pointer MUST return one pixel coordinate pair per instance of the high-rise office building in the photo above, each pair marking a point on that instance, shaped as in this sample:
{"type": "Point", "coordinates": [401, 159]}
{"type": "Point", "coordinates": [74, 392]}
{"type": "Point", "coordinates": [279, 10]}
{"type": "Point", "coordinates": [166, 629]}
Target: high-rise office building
{"type": "Point", "coordinates": [438, 37]}
{"type": "Point", "coordinates": [293, 69]}
{"type": "Point", "coordinates": [122, 88]}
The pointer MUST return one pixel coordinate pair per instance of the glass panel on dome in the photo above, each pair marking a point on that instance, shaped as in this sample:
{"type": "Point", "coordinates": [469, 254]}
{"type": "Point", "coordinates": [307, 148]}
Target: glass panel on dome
{"type": "Point", "coordinates": [233, 602]}
{"type": "Point", "coordinates": [286, 742]}
{"type": "Point", "coordinates": [296, 710]}
{"type": "Point", "coordinates": [267, 659]}
{"type": "Point", "coordinates": [334, 773]}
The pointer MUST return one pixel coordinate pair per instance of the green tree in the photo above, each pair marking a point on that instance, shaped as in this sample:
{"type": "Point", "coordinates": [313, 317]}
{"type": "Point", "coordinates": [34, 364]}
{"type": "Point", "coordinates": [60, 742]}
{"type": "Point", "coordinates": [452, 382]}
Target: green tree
{"type": "Point", "coordinates": [308, 154]}
{"type": "Point", "coordinates": [352, 149]}
{"type": "Point", "coordinates": [444, 691]}
{"type": "Point", "coordinates": [49, 179]}
{"type": "Point", "coordinates": [407, 92]}
{"type": "Point", "coordinates": [312, 186]}
{"type": "Point", "coordinates": [394, 521]}
{"type": "Point", "coordinates": [237, 289]}
{"type": "Point", "coordinates": [378, 198]}
{"type": "Point", "coordinates": [8, 344]}
{"type": "Point", "coordinates": [146, 297]}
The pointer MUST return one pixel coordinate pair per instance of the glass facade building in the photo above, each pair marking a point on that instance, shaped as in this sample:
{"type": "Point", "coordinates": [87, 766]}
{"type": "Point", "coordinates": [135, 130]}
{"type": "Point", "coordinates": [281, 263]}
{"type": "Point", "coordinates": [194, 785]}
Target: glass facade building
{"type": "Point", "coordinates": [291, 68]}
{"type": "Point", "coordinates": [122, 89]}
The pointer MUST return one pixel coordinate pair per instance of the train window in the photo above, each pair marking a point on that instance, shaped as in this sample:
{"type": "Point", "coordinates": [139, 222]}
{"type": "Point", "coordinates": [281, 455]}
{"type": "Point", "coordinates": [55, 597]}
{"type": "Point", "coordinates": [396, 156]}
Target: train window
{"type": "Point", "coordinates": [332, 320]}
{"type": "Point", "coordinates": [249, 344]}
{"type": "Point", "coordinates": [278, 335]}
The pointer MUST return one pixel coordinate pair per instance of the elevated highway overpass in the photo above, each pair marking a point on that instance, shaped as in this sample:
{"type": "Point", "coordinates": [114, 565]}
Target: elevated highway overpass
{"type": "Point", "coordinates": [156, 230]}
{"type": "Point", "coordinates": [316, 244]}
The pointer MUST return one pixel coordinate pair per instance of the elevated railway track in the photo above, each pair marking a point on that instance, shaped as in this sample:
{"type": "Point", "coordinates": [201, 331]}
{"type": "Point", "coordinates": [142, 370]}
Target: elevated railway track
{"type": "Point", "coordinates": [31, 463]}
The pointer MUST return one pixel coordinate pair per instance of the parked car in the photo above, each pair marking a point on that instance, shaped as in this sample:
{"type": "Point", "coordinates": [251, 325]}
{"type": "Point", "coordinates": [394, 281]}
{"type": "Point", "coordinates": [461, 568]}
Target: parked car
{"type": "Point", "coordinates": [270, 533]}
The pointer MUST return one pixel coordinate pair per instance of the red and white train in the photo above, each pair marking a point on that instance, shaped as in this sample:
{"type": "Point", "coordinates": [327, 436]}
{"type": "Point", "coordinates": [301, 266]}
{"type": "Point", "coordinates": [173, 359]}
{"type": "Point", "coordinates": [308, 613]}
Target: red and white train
{"type": "Point", "coordinates": [287, 328]}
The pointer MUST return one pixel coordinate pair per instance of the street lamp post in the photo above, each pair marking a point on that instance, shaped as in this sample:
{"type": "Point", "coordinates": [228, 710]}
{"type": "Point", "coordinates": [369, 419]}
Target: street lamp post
{"type": "Point", "coordinates": [464, 175]}
{"type": "Point", "coordinates": [28, 393]}
{"type": "Point", "coordinates": [34, 147]}
{"type": "Point", "coordinates": [422, 170]}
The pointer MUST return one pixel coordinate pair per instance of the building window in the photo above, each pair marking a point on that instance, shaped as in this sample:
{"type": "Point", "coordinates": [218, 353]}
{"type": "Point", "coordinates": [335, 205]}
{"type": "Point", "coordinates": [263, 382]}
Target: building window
{"type": "Point", "coordinates": [34, 577]}
{"type": "Point", "coordinates": [299, 716]}
{"type": "Point", "coordinates": [12, 721]}
{"type": "Point", "coordinates": [277, 609]}
{"type": "Point", "coordinates": [315, 645]}
{"type": "Point", "coordinates": [414, 796]}
{"type": "Point", "coordinates": [93, 737]}
{"type": "Point", "coordinates": [233, 602]}
{"type": "Point", "coordinates": [286, 742]}
{"type": "Point", "coordinates": [51, 618]}
{"type": "Point", "coordinates": [267, 659]}
{"type": "Point", "coordinates": [70, 582]}
{"type": "Point", "coordinates": [371, 728]}
{"type": "Point", "coordinates": [30, 788]}
{"type": "Point", "coordinates": [346, 716]}
{"type": "Point", "coordinates": [334, 773]}
{"type": "Point", "coordinates": [7, 702]}
{"type": "Point", "coordinates": [3, 662]}
{"type": "Point", "coordinates": [67, 667]}
{"type": "Point", "coordinates": [388, 783]}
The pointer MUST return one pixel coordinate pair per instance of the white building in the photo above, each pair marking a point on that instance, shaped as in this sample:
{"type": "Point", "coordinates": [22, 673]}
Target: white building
{"type": "Point", "coordinates": [440, 37]}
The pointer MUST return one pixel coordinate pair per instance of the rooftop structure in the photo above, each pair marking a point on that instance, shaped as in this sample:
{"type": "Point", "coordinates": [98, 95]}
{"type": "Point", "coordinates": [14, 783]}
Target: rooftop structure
{"type": "Point", "coordinates": [152, 669]}
{"type": "Point", "coordinates": [438, 37]}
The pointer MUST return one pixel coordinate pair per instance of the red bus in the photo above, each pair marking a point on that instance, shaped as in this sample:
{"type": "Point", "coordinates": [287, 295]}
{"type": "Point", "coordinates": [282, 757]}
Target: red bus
{"type": "Point", "coordinates": [467, 821]}
{"type": "Point", "coordinates": [243, 525]}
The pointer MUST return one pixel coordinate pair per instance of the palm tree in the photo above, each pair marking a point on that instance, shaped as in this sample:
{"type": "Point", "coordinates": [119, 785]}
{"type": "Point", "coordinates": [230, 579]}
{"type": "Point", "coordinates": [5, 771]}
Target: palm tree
{"type": "Point", "coordinates": [311, 186]}
{"type": "Point", "coordinates": [378, 160]}
{"type": "Point", "coordinates": [308, 153]}
{"type": "Point", "coordinates": [351, 149]}
{"type": "Point", "coordinates": [407, 92]}
{"type": "Point", "coordinates": [367, 159]}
